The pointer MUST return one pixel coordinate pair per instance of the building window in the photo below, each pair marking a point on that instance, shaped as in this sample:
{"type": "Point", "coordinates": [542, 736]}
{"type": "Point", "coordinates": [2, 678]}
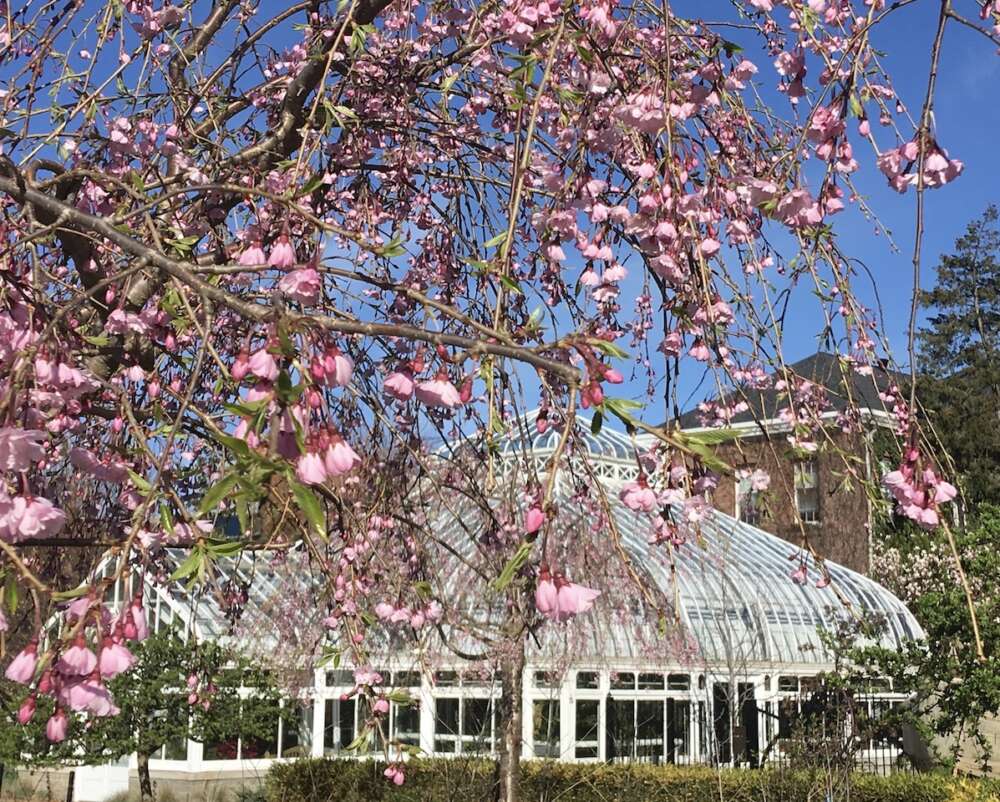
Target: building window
{"type": "Point", "coordinates": [341, 727]}
{"type": "Point", "coordinates": [807, 491]}
{"type": "Point", "coordinates": [588, 713]}
{"type": "Point", "coordinates": [748, 502]}
{"type": "Point", "coordinates": [545, 727]}
{"type": "Point", "coordinates": [461, 725]}
{"type": "Point", "coordinates": [406, 714]}
{"type": "Point", "coordinates": [446, 716]}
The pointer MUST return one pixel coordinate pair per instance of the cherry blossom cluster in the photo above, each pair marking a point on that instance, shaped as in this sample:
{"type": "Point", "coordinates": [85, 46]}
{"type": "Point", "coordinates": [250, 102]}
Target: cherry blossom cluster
{"type": "Point", "coordinates": [558, 599]}
{"type": "Point", "coordinates": [75, 676]}
{"type": "Point", "coordinates": [918, 490]}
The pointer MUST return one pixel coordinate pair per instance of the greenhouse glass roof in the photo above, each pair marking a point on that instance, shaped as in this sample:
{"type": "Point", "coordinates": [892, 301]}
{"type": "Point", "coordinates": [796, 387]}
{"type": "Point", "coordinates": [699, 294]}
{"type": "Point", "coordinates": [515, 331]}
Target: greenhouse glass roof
{"type": "Point", "coordinates": [737, 599]}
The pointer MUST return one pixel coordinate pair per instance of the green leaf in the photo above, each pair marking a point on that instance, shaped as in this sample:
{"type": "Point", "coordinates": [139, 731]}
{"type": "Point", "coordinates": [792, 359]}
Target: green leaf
{"type": "Point", "coordinates": [166, 519]}
{"type": "Point", "coordinates": [286, 391]}
{"type": "Point", "coordinates": [610, 349]}
{"type": "Point", "coordinates": [497, 240]}
{"type": "Point", "coordinates": [194, 564]}
{"type": "Point", "coordinates": [100, 340]}
{"type": "Point", "coordinates": [521, 557]}
{"type": "Point", "coordinates": [596, 422]}
{"type": "Point", "coordinates": [511, 285]}
{"type": "Point", "coordinates": [360, 741]}
{"type": "Point", "coordinates": [311, 185]}
{"type": "Point", "coordinates": [447, 82]}
{"type": "Point", "coordinates": [247, 409]}
{"type": "Point", "coordinates": [217, 492]}
{"type": "Point", "coordinates": [855, 106]}
{"type": "Point", "coordinates": [140, 483]}
{"type": "Point", "coordinates": [310, 506]}
{"type": "Point", "coordinates": [709, 458]}
{"type": "Point", "coordinates": [620, 408]}
{"type": "Point", "coordinates": [234, 444]}
{"type": "Point", "coordinates": [391, 251]}
{"type": "Point", "coordinates": [10, 593]}
{"type": "Point", "coordinates": [243, 513]}
{"type": "Point", "coordinates": [75, 593]}
{"type": "Point", "coordinates": [225, 548]}
{"type": "Point", "coordinates": [712, 437]}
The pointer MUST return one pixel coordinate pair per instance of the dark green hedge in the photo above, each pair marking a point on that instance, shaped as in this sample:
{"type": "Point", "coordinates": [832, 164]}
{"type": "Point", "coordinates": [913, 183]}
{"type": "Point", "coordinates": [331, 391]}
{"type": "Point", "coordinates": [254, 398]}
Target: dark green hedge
{"type": "Point", "coordinates": [447, 780]}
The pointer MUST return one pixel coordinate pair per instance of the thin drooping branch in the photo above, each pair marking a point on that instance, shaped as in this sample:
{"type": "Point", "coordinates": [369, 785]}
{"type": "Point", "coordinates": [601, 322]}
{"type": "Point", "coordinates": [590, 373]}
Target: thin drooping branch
{"type": "Point", "coordinates": [65, 215]}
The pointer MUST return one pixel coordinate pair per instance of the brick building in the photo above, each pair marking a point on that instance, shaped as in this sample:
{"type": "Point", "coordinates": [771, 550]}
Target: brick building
{"type": "Point", "coordinates": [817, 494]}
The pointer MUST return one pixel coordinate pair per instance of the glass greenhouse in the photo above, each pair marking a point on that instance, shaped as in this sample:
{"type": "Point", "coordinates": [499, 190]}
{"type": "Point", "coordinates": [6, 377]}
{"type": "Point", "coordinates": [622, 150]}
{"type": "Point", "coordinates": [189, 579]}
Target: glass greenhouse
{"type": "Point", "coordinates": [724, 686]}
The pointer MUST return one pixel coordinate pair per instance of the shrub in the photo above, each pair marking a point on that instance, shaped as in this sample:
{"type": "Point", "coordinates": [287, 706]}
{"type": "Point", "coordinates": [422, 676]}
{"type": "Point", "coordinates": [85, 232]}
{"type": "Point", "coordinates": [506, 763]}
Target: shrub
{"type": "Point", "coordinates": [445, 780]}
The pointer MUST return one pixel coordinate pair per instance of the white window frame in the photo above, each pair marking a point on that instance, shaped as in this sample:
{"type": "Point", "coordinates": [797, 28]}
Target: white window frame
{"type": "Point", "coordinates": [807, 480]}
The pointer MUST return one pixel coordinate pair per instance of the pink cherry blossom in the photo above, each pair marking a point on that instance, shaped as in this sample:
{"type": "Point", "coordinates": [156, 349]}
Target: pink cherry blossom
{"type": "Point", "coordinates": [637, 495]}
{"type": "Point", "coordinates": [301, 285]}
{"type": "Point", "coordinates": [310, 469]}
{"type": "Point", "coordinates": [26, 712]}
{"type": "Point", "coordinates": [434, 611]}
{"type": "Point", "coordinates": [573, 599]}
{"type": "Point", "coordinates": [394, 773]}
{"type": "Point", "coordinates": [282, 253]}
{"type": "Point", "coordinates": [339, 367]}
{"type": "Point", "coordinates": [253, 256]}
{"type": "Point", "coordinates": [546, 594]}
{"type": "Point", "coordinates": [399, 384]}
{"type": "Point", "coordinates": [533, 520]}
{"type": "Point", "coordinates": [19, 448]}
{"type": "Point", "coordinates": [340, 457]}
{"type": "Point", "coordinates": [24, 518]}
{"type": "Point", "coordinates": [22, 667]}
{"type": "Point", "coordinates": [78, 659]}
{"type": "Point", "coordinates": [114, 659]}
{"type": "Point", "coordinates": [136, 616]}
{"type": "Point", "coordinates": [263, 366]}
{"type": "Point", "coordinates": [87, 695]}
{"type": "Point", "coordinates": [57, 726]}
{"type": "Point", "coordinates": [438, 392]}
{"type": "Point", "coordinates": [241, 366]}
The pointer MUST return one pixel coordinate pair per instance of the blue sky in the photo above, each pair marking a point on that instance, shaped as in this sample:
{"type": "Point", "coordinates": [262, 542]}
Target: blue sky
{"type": "Point", "coordinates": [967, 112]}
{"type": "Point", "coordinates": [968, 125]}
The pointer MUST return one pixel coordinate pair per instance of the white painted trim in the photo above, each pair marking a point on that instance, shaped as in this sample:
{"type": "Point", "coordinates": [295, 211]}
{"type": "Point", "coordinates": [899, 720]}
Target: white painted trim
{"type": "Point", "coordinates": [773, 425]}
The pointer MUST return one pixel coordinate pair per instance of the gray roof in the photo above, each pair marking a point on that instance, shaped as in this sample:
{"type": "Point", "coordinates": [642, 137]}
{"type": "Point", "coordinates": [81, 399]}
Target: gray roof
{"type": "Point", "coordinates": [843, 383]}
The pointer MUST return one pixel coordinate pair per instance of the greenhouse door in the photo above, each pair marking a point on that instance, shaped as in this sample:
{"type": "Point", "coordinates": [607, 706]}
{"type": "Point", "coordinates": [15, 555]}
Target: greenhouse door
{"type": "Point", "coordinates": [619, 730]}
{"type": "Point", "coordinates": [678, 730]}
{"type": "Point", "coordinates": [749, 729]}
{"type": "Point", "coordinates": [722, 719]}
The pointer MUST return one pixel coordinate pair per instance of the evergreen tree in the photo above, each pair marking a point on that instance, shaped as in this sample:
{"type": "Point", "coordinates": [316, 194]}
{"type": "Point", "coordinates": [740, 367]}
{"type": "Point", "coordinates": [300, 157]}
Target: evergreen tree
{"type": "Point", "coordinates": [959, 350]}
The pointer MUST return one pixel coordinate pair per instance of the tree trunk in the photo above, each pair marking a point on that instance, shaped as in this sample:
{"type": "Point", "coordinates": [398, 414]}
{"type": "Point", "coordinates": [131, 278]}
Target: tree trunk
{"type": "Point", "coordinates": [509, 718]}
{"type": "Point", "coordinates": [145, 783]}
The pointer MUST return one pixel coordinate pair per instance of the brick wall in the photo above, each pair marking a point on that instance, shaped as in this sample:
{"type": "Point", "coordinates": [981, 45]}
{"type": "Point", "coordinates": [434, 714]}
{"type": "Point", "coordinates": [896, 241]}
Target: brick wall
{"type": "Point", "coordinates": [842, 533]}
